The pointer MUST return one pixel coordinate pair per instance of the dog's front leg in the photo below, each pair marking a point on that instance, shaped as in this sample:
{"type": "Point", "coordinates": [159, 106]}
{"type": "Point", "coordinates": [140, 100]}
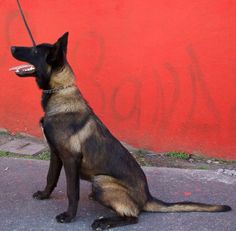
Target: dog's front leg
{"type": "Point", "coordinates": [73, 186]}
{"type": "Point", "coordinates": [52, 177]}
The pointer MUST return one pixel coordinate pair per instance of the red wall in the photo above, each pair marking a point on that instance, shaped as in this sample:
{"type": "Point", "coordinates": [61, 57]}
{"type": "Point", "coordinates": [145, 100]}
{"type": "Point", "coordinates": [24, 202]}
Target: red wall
{"type": "Point", "coordinates": [160, 74]}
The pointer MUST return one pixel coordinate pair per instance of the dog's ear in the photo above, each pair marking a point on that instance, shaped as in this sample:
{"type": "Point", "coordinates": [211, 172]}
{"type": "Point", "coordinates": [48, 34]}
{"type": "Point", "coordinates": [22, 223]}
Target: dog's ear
{"type": "Point", "coordinates": [58, 51]}
{"type": "Point", "coordinates": [62, 42]}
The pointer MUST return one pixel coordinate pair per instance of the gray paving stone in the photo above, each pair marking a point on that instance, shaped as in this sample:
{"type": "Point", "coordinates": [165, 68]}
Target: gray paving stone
{"type": "Point", "coordinates": [23, 147]}
{"type": "Point", "coordinates": [4, 139]}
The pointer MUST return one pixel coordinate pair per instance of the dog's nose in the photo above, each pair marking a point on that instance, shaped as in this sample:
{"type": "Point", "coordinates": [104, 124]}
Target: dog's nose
{"type": "Point", "coordinates": [13, 49]}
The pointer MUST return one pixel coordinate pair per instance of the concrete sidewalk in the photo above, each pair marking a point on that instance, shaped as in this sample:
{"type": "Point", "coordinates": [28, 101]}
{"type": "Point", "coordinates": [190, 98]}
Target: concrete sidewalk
{"type": "Point", "coordinates": [20, 178]}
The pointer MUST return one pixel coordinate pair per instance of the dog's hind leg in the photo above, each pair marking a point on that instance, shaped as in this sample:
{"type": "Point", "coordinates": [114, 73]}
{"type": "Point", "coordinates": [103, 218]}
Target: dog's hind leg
{"type": "Point", "coordinates": [110, 193]}
{"type": "Point", "coordinates": [52, 177]}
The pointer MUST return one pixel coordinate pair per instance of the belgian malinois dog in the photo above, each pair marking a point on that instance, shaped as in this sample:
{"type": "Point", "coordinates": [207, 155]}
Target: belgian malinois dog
{"type": "Point", "coordinates": [80, 142]}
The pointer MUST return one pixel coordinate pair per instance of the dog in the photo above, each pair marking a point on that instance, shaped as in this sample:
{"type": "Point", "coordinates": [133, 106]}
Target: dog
{"type": "Point", "coordinates": [82, 144]}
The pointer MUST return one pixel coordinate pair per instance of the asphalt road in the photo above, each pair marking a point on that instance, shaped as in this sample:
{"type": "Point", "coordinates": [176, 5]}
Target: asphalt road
{"type": "Point", "coordinates": [20, 178]}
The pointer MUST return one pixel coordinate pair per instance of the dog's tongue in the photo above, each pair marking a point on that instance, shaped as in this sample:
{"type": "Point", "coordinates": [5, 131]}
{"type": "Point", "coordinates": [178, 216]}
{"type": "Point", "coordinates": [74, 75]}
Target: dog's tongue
{"type": "Point", "coordinates": [25, 68]}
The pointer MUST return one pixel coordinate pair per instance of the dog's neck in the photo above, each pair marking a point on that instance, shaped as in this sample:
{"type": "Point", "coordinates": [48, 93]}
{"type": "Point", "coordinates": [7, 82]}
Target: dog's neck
{"type": "Point", "coordinates": [63, 95]}
{"type": "Point", "coordinates": [63, 78]}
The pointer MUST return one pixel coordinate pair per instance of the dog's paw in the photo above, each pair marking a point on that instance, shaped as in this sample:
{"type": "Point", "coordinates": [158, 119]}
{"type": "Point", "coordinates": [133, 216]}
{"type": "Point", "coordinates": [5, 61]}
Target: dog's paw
{"type": "Point", "coordinates": [100, 224]}
{"type": "Point", "coordinates": [64, 218]}
{"type": "Point", "coordinates": [40, 195]}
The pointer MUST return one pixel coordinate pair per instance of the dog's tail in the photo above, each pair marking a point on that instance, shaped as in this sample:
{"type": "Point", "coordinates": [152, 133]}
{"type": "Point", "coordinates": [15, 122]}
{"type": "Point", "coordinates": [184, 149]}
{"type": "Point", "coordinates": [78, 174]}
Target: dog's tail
{"type": "Point", "coordinates": [155, 205]}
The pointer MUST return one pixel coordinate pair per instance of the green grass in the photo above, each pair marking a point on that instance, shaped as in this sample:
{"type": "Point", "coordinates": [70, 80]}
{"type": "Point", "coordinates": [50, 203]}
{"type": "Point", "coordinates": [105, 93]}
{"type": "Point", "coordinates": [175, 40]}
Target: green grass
{"type": "Point", "coordinates": [178, 155]}
{"type": "Point", "coordinates": [6, 154]}
{"type": "Point", "coordinates": [45, 155]}
{"type": "Point", "coordinates": [203, 168]}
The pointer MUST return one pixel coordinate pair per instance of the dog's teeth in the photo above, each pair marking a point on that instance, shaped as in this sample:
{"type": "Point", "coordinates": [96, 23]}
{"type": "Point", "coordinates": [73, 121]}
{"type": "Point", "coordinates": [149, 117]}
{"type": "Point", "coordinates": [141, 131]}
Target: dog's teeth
{"type": "Point", "coordinates": [23, 68]}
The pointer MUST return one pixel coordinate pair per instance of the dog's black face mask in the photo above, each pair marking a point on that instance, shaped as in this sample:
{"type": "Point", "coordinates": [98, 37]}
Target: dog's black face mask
{"type": "Point", "coordinates": [42, 60]}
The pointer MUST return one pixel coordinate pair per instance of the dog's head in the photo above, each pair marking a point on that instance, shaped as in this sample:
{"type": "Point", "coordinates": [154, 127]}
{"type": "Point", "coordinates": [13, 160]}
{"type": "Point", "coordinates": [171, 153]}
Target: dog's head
{"type": "Point", "coordinates": [42, 60]}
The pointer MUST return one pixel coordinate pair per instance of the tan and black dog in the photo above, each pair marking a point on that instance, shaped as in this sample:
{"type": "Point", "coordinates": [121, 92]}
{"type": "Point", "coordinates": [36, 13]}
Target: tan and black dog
{"type": "Point", "coordinates": [81, 143]}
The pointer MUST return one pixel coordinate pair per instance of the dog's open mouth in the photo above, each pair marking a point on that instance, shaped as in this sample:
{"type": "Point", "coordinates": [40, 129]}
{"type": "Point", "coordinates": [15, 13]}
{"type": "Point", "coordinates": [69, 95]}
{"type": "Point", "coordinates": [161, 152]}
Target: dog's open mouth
{"type": "Point", "coordinates": [24, 70]}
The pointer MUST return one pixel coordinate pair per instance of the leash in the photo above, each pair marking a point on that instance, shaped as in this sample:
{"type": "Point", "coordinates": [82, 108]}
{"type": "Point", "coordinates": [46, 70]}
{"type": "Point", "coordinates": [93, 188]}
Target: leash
{"type": "Point", "coordinates": [26, 25]}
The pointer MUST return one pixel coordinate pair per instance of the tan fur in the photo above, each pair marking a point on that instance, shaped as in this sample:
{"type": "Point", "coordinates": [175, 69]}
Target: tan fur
{"type": "Point", "coordinates": [115, 195]}
{"type": "Point", "coordinates": [76, 140]}
{"type": "Point", "coordinates": [63, 77]}
{"type": "Point", "coordinates": [65, 100]}
{"type": "Point", "coordinates": [158, 206]}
